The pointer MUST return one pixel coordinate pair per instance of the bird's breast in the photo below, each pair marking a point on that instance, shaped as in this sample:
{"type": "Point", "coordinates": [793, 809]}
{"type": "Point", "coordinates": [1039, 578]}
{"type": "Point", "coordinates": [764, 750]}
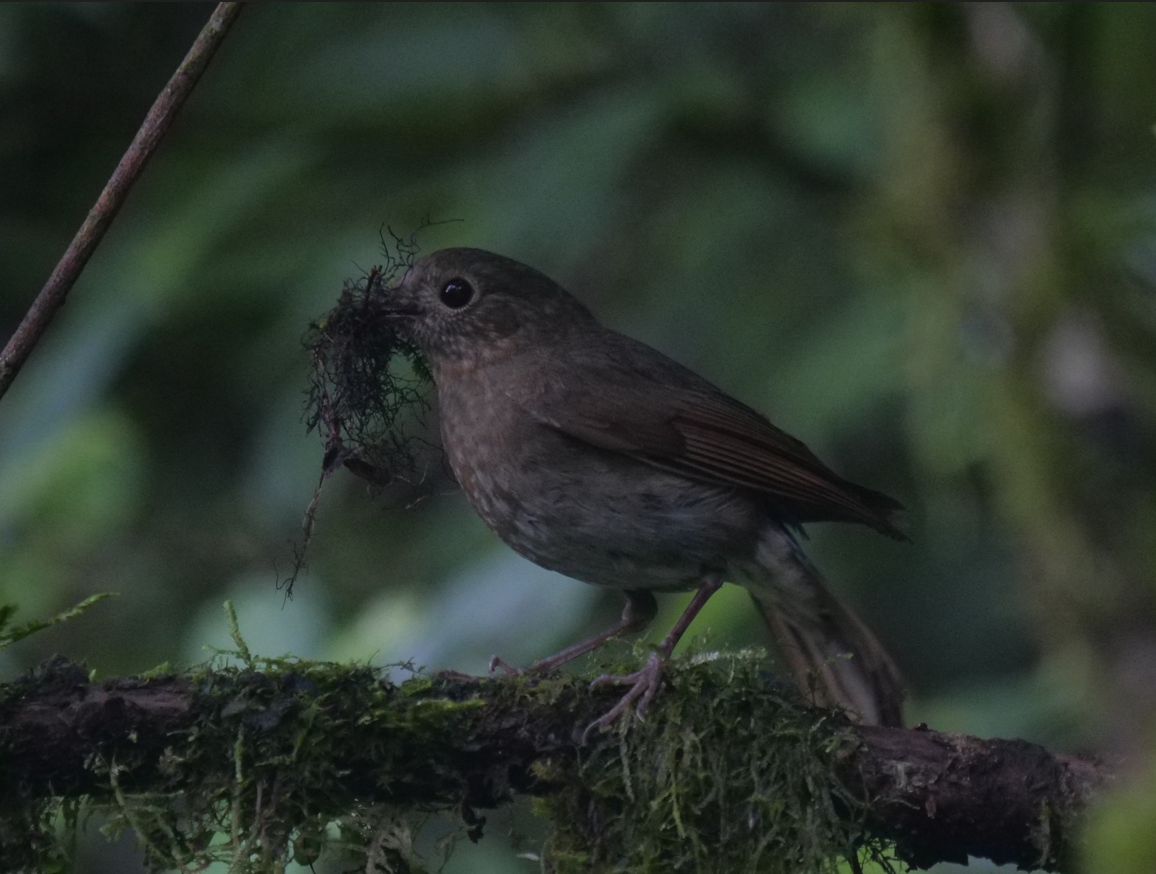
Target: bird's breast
{"type": "Point", "coordinates": [487, 442]}
{"type": "Point", "coordinates": [593, 514]}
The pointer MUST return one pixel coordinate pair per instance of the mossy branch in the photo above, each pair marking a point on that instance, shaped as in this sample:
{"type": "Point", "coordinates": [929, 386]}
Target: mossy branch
{"type": "Point", "coordinates": [730, 772]}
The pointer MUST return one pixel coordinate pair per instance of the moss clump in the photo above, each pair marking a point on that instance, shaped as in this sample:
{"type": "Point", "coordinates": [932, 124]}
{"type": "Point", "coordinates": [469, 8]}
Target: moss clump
{"type": "Point", "coordinates": [721, 779]}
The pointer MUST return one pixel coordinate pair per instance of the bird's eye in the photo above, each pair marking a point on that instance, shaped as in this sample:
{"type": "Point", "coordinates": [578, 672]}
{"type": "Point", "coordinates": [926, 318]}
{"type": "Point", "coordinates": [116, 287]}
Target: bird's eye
{"type": "Point", "coordinates": [457, 293]}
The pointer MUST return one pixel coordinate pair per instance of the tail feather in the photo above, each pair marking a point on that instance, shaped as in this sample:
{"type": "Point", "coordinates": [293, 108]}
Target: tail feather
{"type": "Point", "coordinates": [834, 657]}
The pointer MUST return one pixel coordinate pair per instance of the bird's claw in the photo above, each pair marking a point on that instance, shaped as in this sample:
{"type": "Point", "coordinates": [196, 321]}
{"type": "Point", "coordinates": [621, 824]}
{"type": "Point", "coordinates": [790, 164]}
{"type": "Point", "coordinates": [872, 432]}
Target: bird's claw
{"type": "Point", "coordinates": [644, 685]}
{"type": "Point", "coordinates": [498, 662]}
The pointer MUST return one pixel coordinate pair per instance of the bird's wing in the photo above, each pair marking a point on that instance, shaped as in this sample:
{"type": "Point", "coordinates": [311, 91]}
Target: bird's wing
{"type": "Point", "coordinates": [713, 438]}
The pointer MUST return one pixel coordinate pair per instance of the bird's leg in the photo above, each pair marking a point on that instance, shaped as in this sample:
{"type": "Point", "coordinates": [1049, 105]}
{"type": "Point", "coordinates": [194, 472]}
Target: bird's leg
{"type": "Point", "coordinates": [644, 684]}
{"type": "Point", "coordinates": [638, 613]}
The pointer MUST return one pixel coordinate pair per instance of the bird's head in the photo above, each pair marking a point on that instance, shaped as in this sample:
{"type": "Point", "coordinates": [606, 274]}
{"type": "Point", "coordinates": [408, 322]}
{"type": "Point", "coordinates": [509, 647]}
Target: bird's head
{"type": "Point", "coordinates": [462, 306]}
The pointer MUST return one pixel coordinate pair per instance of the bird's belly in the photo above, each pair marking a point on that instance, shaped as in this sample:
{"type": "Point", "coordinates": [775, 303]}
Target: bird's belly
{"type": "Point", "coordinates": [606, 518]}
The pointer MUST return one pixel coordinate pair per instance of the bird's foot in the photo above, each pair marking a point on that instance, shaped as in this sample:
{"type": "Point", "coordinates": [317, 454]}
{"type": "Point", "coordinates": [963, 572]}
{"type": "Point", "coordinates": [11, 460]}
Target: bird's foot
{"type": "Point", "coordinates": [497, 662]}
{"type": "Point", "coordinates": [644, 685]}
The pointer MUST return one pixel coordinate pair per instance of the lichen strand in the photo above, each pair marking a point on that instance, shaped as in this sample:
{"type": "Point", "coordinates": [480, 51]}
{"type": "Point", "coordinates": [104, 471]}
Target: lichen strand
{"type": "Point", "coordinates": [722, 780]}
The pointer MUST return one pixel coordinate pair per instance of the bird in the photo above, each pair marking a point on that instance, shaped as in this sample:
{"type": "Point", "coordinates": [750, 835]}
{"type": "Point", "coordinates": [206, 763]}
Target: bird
{"type": "Point", "coordinates": [594, 455]}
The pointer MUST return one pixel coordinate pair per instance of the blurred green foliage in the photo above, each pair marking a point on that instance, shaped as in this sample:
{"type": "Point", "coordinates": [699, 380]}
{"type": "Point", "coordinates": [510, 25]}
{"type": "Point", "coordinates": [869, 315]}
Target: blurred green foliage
{"type": "Point", "coordinates": [921, 238]}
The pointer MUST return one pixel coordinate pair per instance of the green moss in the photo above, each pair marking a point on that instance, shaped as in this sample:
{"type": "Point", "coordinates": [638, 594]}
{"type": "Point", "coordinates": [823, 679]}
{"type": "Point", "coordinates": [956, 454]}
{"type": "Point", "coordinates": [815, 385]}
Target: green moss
{"type": "Point", "coordinates": [725, 779]}
{"type": "Point", "coordinates": [280, 733]}
{"type": "Point", "coordinates": [285, 759]}
{"type": "Point", "coordinates": [415, 686]}
{"type": "Point", "coordinates": [10, 634]}
{"type": "Point", "coordinates": [261, 777]}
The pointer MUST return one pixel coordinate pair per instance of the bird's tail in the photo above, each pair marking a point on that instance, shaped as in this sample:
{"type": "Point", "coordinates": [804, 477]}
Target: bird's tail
{"type": "Point", "coordinates": [835, 659]}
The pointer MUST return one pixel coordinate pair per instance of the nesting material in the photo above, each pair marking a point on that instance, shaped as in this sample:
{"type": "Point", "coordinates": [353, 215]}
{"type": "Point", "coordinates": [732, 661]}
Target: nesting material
{"type": "Point", "coordinates": [367, 391]}
{"type": "Point", "coordinates": [368, 385]}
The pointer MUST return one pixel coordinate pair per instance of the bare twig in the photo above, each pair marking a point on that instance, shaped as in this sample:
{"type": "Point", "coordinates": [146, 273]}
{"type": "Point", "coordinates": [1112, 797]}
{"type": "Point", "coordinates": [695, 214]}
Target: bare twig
{"type": "Point", "coordinates": [156, 123]}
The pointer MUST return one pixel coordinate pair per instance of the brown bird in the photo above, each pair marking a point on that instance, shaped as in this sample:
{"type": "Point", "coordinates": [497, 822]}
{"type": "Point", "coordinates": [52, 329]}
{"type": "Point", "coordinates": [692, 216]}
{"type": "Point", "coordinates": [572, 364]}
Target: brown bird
{"type": "Point", "coordinates": [596, 456]}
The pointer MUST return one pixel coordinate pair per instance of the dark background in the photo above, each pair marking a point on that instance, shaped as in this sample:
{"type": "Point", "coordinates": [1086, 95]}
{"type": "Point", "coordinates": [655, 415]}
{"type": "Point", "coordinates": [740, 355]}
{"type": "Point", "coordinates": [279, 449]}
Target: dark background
{"type": "Point", "coordinates": [921, 238]}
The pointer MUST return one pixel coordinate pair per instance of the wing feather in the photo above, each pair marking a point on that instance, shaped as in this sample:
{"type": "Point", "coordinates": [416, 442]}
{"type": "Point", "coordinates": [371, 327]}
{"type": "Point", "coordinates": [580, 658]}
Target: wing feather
{"type": "Point", "coordinates": [708, 436]}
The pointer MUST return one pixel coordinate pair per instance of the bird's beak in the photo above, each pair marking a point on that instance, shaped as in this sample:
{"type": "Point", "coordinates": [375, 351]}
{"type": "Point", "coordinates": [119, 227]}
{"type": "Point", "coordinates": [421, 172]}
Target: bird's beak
{"type": "Point", "coordinates": [399, 303]}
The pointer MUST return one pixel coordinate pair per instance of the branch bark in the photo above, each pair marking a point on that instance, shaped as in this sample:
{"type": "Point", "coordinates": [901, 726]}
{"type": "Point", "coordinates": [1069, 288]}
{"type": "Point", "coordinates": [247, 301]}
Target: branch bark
{"type": "Point", "coordinates": [943, 797]}
{"type": "Point", "coordinates": [464, 743]}
{"type": "Point", "coordinates": [160, 117]}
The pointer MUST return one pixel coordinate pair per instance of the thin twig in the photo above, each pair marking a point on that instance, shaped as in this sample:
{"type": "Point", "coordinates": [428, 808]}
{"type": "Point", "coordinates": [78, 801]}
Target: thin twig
{"type": "Point", "coordinates": [156, 123]}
